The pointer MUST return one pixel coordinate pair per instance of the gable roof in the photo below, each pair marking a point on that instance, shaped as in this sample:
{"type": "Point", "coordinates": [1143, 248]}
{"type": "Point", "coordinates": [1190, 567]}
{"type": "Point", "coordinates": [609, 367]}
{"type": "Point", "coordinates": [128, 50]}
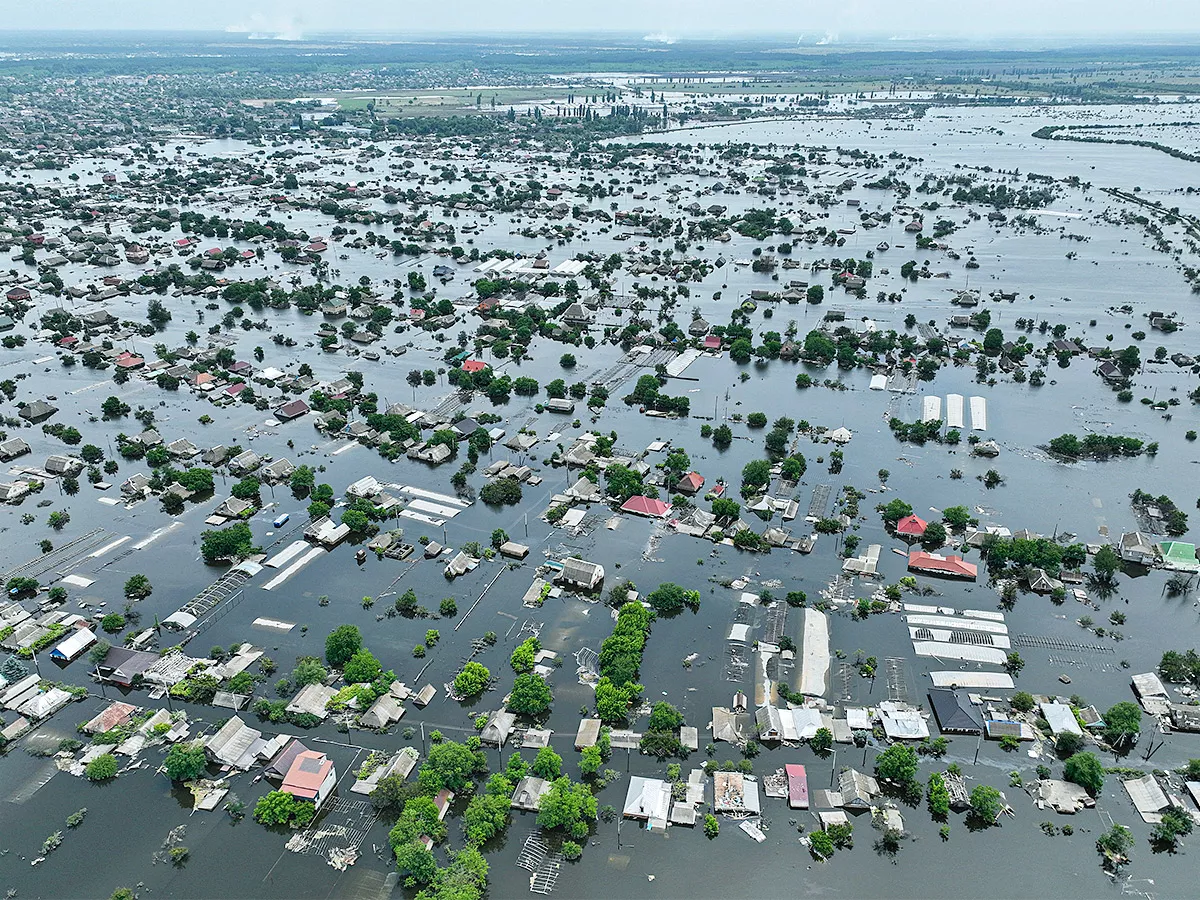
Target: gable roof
{"type": "Point", "coordinates": [645, 506]}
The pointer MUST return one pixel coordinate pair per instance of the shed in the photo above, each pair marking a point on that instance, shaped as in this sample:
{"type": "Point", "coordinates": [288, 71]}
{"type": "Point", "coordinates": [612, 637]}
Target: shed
{"type": "Point", "coordinates": [70, 648]}
{"type": "Point", "coordinates": [588, 733]}
{"type": "Point", "coordinates": [513, 550]}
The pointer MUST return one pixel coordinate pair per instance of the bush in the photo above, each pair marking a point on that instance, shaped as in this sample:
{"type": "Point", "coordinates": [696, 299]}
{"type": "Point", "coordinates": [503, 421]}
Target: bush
{"type": "Point", "coordinates": [448, 607]}
{"type": "Point", "coordinates": [186, 762]}
{"type": "Point", "coordinates": [571, 850]}
{"type": "Point", "coordinates": [501, 492]}
{"type": "Point", "coordinates": [102, 768]}
{"type": "Point", "coordinates": [985, 803]}
{"type": "Point", "coordinates": [138, 587]}
{"type": "Point", "coordinates": [343, 642]}
{"type": "Point", "coordinates": [712, 827]}
{"type": "Point", "coordinates": [821, 845]}
{"type": "Point", "coordinates": [530, 695]}
{"type": "Point", "coordinates": [279, 808]}
{"type": "Point", "coordinates": [472, 680]}
{"type": "Point", "coordinates": [1085, 770]}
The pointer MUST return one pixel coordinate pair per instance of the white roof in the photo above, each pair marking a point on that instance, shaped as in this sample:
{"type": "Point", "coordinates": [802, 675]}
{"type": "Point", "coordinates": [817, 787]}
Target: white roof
{"type": "Point", "coordinates": [647, 798]}
{"type": "Point", "coordinates": [739, 632]}
{"type": "Point", "coordinates": [1061, 718]}
{"type": "Point", "coordinates": [997, 680]}
{"type": "Point", "coordinates": [72, 646]}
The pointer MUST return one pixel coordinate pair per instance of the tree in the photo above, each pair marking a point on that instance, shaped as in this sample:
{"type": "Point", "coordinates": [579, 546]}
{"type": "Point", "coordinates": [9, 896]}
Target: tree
{"type": "Point", "coordinates": [894, 511]}
{"type": "Point", "coordinates": [472, 680]}
{"type": "Point", "coordinates": [279, 808]}
{"type": "Point", "coordinates": [1068, 744]}
{"type": "Point", "coordinates": [234, 542]}
{"type": "Point", "coordinates": [898, 764]}
{"type": "Point", "coordinates": [670, 598]}
{"type": "Point", "coordinates": [722, 436]}
{"type": "Point", "coordinates": [309, 671]}
{"type": "Point", "coordinates": [938, 796]}
{"type": "Point", "coordinates": [712, 827]}
{"type": "Point", "coordinates": [590, 760]}
{"type": "Point", "coordinates": [724, 508]}
{"type": "Point", "coordinates": [102, 768]}
{"type": "Point", "coordinates": [1022, 701]}
{"type": "Point", "coordinates": [821, 742]}
{"type": "Point", "coordinates": [1122, 723]}
{"type": "Point", "coordinates": [1106, 563]}
{"type": "Point", "coordinates": [755, 474]}
{"type": "Point", "coordinates": [392, 792]}
{"type": "Point", "coordinates": [114, 408]}
{"type": "Point", "coordinates": [137, 587]}
{"type": "Point", "coordinates": [248, 489]}
{"type": "Point", "coordinates": [362, 667]}
{"type": "Point", "coordinates": [957, 517]}
{"type": "Point", "coordinates": [1085, 770]}
{"type": "Point", "coordinates": [567, 360]}
{"type": "Point", "coordinates": [341, 644]}
{"type": "Point", "coordinates": [449, 765]}
{"type": "Point", "coordinates": [1115, 843]}
{"type": "Point", "coordinates": [664, 717]}
{"type": "Point", "coordinates": [547, 764]}
{"type": "Point", "coordinates": [934, 536]}
{"type": "Point", "coordinates": [985, 803]}
{"type": "Point", "coordinates": [568, 805]}
{"type": "Point", "coordinates": [530, 695]}
{"type": "Point", "coordinates": [993, 341]}
{"type": "Point", "coordinates": [186, 762]}
{"type": "Point", "coordinates": [821, 844]}
{"type": "Point", "coordinates": [486, 816]}
{"type": "Point", "coordinates": [501, 492]}
{"type": "Point", "coordinates": [677, 463]}
{"type": "Point", "coordinates": [1175, 823]}
{"type": "Point", "coordinates": [524, 654]}
{"type": "Point", "coordinates": [417, 861]}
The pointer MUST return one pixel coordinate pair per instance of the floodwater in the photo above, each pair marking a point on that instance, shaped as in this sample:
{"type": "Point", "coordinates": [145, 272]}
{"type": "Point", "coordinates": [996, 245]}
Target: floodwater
{"type": "Point", "coordinates": [129, 819]}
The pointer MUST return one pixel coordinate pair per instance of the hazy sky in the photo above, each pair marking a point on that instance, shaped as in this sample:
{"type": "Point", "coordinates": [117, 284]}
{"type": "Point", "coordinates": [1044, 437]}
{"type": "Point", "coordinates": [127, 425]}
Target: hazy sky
{"type": "Point", "coordinates": [786, 18]}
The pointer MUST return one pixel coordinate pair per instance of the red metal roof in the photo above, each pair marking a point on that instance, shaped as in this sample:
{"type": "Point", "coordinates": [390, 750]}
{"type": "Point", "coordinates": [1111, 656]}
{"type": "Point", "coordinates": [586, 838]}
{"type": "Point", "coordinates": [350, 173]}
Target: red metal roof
{"type": "Point", "coordinates": [913, 525]}
{"type": "Point", "coordinates": [942, 565]}
{"type": "Point", "coordinates": [797, 786]}
{"type": "Point", "coordinates": [306, 775]}
{"type": "Point", "coordinates": [474, 365]}
{"type": "Point", "coordinates": [645, 506]}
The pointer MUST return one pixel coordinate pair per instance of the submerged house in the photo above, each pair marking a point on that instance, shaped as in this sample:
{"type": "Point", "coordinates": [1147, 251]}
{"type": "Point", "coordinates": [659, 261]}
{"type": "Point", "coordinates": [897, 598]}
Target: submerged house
{"type": "Point", "coordinates": [581, 573]}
